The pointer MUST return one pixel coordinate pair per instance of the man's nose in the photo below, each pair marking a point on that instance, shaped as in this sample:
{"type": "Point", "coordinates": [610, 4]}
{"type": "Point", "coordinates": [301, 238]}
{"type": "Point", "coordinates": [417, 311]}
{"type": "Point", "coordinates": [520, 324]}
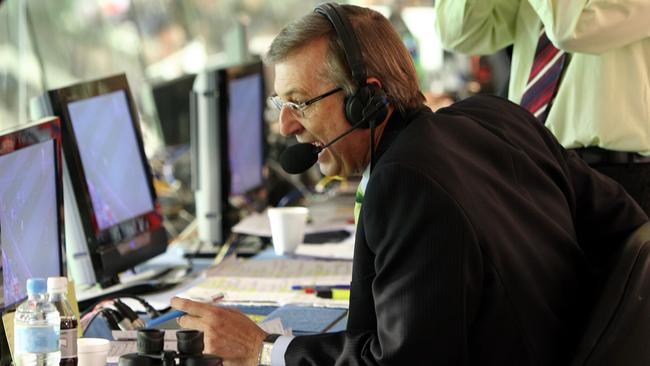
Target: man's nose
{"type": "Point", "coordinates": [289, 123]}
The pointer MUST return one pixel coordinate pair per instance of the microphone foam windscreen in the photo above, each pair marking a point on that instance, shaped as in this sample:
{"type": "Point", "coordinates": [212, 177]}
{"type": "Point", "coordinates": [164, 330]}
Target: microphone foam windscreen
{"type": "Point", "coordinates": [297, 158]}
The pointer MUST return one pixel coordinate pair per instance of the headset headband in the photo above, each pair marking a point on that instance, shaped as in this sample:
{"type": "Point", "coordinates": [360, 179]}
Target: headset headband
{"type": "Point", "coordinates": [334, 13]}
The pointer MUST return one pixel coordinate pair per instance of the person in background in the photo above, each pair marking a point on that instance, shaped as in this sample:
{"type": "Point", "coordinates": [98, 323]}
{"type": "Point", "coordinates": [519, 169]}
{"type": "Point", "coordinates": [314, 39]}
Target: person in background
{"type": "Point", "coordinates": [478, 234]}
{"type": "Point", "coordinates": [582, 67]}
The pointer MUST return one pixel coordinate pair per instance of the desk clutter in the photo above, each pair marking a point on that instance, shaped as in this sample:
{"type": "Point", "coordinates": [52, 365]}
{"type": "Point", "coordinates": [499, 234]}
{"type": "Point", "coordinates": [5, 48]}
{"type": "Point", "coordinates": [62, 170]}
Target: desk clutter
{"type": "Point", "coordinates": [287, 295]}
{"type": "Point", "coordinates": [274, 280]}
{"type": "Point", "coordinates": [161, 349]}
{"type": "Point", "coordinates": [286, 320]}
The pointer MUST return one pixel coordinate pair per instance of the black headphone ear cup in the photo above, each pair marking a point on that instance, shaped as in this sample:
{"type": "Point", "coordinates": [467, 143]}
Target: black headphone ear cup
{"type": "Point", "coordinates": [355, 104]}
{"type": "Point", "coordinates": [367, 98]}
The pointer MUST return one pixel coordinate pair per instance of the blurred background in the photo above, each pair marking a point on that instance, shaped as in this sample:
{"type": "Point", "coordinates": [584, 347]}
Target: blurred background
{"type": "Point", "coordinates": [157, 43]}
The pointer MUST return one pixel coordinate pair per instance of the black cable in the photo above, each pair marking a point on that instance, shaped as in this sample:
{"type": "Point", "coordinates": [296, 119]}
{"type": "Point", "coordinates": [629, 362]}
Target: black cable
{"type": "Point", "coordinates": [150, 310]}
{"type": "Point", "coordinates": [109, 315]}
{"type": "Point", "coordinates": [125, 310]}
{"type": "Point", "coordinates": [129, 314]}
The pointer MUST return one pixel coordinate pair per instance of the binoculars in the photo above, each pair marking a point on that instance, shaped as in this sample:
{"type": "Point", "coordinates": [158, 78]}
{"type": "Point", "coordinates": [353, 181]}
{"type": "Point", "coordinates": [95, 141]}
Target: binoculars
{"type": "Point", "coordinates": [150, 343]}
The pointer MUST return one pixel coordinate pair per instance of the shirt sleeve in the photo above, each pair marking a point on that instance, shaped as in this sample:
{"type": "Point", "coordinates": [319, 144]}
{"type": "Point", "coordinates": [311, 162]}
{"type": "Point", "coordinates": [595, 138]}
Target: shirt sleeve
{"type": "Point", "coordinates": [594, 26]}
{"type": "Point", "coordinates": [476, 26]}
{"type": "Point", "coordinates": [279, 349]}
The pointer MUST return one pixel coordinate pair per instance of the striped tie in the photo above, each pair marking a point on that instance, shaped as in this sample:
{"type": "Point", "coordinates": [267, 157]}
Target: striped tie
{"type": "Point", "coordinates": [544, 78]}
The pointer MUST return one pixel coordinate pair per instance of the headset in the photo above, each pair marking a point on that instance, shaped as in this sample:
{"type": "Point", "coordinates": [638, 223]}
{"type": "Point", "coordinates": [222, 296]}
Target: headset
{"type": "Point", "coordinates": [368, 97]}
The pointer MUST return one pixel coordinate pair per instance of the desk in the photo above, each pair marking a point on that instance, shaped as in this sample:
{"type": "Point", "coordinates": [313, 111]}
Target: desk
{"type": "Point", "coordinates": [249, 283]}
{"type": "Point", "coordinates": [266, 279]}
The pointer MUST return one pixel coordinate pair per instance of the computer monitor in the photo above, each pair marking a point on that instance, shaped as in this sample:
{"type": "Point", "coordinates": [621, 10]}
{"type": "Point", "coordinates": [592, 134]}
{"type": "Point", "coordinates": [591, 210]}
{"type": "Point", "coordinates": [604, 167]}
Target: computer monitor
{"type": "Point", "coordinates": [31, 207]}
{"type": "Point", "coordinates": [109, 177]}
{"type": "Point", "coordinates": [172, 102]}
{"type": "Point", "coordinates": [228, 147]}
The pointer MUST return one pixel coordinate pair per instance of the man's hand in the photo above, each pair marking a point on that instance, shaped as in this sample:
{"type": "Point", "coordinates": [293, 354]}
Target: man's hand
{"type": "Point", "coordinates": [228, 333]}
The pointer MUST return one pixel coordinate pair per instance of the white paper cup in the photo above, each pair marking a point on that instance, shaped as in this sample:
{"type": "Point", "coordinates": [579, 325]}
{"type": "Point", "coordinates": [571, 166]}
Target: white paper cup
{"type": "Point", "coordinates": [92, 351]}
{"type": "Point", "coordinates": [287, 228]}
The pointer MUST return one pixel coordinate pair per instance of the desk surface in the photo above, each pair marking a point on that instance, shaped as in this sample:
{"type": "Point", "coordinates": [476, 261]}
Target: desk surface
{"type": "Point", "coordinates": [259, 279]}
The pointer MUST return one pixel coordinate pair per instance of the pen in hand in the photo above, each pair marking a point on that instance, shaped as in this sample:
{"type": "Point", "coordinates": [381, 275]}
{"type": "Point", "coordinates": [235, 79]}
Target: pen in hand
{"type": "Point", "coordinates": [173, 314]}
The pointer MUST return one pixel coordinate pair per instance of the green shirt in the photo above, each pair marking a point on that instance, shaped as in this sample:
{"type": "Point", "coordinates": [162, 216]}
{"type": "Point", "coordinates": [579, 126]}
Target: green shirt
{"type": "Point", "coordinates": [361, 190]}
{"type": "Point", "coordinates": [604, 96]}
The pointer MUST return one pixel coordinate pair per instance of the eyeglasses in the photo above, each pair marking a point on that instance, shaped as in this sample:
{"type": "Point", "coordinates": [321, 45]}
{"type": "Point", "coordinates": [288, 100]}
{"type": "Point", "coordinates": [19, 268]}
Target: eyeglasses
{"type": "Point", "coordinates": [298, 108]}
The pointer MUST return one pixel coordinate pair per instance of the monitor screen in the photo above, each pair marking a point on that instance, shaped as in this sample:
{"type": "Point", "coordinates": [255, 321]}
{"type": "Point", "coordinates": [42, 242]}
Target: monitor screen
{"type": "Point", "coordinates": [30, 207]}
{"type": "Point", "coordinates": [117, 213]}
{"type": "Point", "coordinates": [245, 133]}
{"type": "Point", "coordinates": [108, 147]}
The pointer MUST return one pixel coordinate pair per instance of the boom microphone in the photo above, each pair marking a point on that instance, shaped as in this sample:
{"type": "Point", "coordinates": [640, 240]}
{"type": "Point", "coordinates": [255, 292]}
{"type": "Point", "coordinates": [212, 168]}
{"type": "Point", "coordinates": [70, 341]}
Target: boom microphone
{"type": "Point", "coordinates": [297, 158]}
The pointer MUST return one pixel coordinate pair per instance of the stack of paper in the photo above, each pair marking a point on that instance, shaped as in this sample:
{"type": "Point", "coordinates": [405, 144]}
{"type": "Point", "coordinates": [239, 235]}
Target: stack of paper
{"type": "Point", "coordinates": [271, 280]}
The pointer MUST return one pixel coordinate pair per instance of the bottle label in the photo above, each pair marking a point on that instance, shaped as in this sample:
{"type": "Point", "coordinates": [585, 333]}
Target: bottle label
{"type": "Point", "coordinates": [35, 339]}
{"type": "Point", "coordinates": [68, 343]}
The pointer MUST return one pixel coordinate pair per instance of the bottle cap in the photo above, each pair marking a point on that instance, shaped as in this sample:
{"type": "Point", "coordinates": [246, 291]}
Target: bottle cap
{"type": "Point", "coordinates": [36, 286]}
{"type": "Point", "coordinates": [57, 284]}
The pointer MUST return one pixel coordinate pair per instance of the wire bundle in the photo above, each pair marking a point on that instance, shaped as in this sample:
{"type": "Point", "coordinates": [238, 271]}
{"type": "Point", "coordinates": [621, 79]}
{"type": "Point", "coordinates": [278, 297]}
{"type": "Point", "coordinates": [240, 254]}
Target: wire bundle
{"type": "Point", "coordinates": [117, 314]}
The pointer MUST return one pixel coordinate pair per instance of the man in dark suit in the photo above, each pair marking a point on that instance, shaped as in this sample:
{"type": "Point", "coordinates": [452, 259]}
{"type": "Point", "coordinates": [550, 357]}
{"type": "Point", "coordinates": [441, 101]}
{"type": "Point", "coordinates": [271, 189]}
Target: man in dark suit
{"type": "Point", "coordinates": [479, 238]}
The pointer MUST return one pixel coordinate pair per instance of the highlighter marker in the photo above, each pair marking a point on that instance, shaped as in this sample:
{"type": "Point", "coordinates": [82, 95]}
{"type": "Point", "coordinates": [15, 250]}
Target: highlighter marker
{"type": "Point", "coordinates": [334, 294]}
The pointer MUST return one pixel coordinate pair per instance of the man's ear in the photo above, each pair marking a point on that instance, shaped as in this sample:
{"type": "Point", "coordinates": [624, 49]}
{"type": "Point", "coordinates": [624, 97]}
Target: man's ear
{"type": "Point", "coordinates": [373, 80]}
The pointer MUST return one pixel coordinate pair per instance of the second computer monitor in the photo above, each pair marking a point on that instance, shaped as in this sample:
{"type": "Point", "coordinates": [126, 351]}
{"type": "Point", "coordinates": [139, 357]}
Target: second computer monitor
{"type": "Point", "coordinates": [228, 147]}
{"type": "Point", "coordinates": [110, 178]}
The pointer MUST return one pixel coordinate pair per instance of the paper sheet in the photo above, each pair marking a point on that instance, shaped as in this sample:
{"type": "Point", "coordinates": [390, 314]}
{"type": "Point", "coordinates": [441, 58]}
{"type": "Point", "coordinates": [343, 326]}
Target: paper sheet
{"type": "Point", "coordinates": [274, 326]}
{"type": "Point", "coordinates": [342, 250]}
{"type": "Point", "coordinates": [270, 280]}
{"type": "Point", "coordinates": [283, 268]}
{"type": "Point", "coordinates": [258, 224]}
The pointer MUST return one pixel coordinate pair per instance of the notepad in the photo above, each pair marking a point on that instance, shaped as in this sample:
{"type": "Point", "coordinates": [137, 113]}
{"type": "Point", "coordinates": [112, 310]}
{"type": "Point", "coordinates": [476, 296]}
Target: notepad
{"type": "Point", "coordinates": [307, 319]}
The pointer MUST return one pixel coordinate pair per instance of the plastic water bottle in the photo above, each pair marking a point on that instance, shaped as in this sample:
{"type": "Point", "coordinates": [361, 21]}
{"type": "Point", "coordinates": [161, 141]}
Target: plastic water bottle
{"type": "Point", "coordinates": [57, 288]}
{"type": "Point", "coordinates": [36, 328]}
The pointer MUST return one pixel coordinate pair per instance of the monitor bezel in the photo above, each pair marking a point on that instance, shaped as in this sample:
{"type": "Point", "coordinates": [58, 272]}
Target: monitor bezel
{"type": "Point", "coordinates": [22, 135]}
{"type": "Point", "coordinates": [104, 244]}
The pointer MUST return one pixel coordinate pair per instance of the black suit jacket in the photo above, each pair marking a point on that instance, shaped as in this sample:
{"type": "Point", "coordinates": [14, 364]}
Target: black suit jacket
{"type": "Point", "coordinates": [477, 244]}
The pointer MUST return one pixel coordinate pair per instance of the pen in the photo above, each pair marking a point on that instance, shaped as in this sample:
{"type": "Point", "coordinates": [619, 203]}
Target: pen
{"type": "Point", "coordinates": [163, 318]}
{"type": "Point", "coordinates": [173, 314]}
{"type": "Point", "coordinates": [320, 287]}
